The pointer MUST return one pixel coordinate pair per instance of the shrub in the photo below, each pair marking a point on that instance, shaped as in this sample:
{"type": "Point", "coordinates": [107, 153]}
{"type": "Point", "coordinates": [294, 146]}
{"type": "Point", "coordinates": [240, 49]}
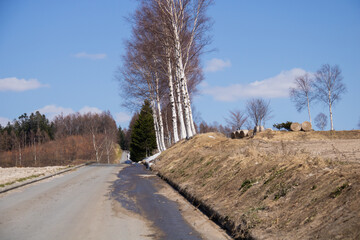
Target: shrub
{"type": "Point", "coordinates": [285, 126]}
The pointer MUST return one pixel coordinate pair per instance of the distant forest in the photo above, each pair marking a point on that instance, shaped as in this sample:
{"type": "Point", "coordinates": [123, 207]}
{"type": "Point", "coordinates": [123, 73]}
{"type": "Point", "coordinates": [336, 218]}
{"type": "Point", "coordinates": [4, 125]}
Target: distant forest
{"type": "Point", "coordinates": [35, 141]}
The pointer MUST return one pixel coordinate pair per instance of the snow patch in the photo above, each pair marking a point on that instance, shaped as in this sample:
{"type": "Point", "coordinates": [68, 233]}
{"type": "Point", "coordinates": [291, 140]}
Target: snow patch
{"type": "Point", "coordinates": [149, 160]}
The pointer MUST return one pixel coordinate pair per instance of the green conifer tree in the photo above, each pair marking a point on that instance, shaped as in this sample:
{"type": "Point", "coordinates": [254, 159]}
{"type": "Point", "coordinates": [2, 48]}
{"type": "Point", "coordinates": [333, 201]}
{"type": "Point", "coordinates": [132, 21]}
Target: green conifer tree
{"type": "Point", "coordinates": [143, 139]}
{"type": "Point", "coordinates": [121, 139]}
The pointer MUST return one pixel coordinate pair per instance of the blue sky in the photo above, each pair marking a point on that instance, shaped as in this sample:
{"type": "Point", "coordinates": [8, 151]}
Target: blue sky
{"type": "Point", "coordinates": [61, 56]}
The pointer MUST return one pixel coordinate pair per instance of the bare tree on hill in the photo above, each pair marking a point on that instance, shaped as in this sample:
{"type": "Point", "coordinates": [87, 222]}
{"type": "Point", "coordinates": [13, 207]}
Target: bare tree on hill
{"type": "Point", "coordinates": [321, 121]}
{"type": "Point", "coordinates": [258, 111]}
{"type": "Point", "coordinates": [302, 94]}
{"type": "Point", "coordinates": [236, 119]}
{"type": "Point", "coordinates": [329, 87]}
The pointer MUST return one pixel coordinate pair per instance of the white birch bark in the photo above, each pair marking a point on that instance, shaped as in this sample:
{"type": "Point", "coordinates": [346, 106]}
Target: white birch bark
{"type": "Point", "coordinates": [190, 110]}
{"type": "Point", "coordinates": [169, 134]}
{"type": "Point", "coordinates": [172, 103]}
{"type": "Point", "coordinates": [308, 105]}
{"type": "Point", "coordinates": [186, 109]}
{"type": "Point", "coordinates": [95, 148]}
{"type": "Point", "coordinates": [180, 111]}
{"type": "Point", "coordinates": [156, 127]}
{"type": "Point", "coordinates": [181, 79]}
{"type": "Point", "coordinates": [160, 120]}
{"type": "Point", "coordinates": [108, 145]}
{"type": "Point", "coordinates": [181, 71]}
{"type": "Point", "coordinates": [161, 124]}
{"type": "Point", "coordinates": [154, 93]}
{"type": "Point", "coordinates": [330, 110]}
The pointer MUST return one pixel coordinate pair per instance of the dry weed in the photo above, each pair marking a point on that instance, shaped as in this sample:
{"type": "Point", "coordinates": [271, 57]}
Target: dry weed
{"type": "Point", "coordinates": [271, 186]}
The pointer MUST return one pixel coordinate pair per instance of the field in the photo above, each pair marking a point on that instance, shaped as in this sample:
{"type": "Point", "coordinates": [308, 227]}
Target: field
{"type": "Point", "coordinates": [277, 185]}
{"type": "Point", "coordinates": [10, 176]}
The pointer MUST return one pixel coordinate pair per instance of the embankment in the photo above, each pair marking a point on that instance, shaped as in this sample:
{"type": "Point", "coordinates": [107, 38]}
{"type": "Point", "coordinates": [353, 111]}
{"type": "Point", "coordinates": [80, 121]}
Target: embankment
{"type": "Point", "coordinates": [265, 188]}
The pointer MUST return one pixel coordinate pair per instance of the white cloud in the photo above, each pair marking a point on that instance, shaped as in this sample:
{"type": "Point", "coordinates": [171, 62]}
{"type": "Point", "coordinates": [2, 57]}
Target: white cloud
{"type": "Point", "coordinates": [122, 117]}
{"type": "Point", "coordinates": [88, 109]}
{"type": "Point", "coordinates": [274, 87]}
{"type": "Point", "coordinates": [19, 85]}
{"type": "Point", "coordinates": [216, 64]}
{"type": "Point", "coordinates": [90, 56]}
{"type": "Point", "coordinates": [52, 110]}
{"type": "Point", "coordinates": [4, 121]}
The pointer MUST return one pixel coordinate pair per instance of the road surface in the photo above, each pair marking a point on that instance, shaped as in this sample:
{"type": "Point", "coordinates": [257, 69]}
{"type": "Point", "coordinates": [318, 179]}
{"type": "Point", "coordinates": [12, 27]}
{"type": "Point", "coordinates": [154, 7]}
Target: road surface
{"type": "Point", "coordinates": [102, 202]}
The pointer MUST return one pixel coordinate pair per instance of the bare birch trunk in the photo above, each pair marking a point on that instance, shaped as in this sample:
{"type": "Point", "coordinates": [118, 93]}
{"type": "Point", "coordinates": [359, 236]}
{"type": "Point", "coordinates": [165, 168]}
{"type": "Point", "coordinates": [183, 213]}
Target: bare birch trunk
{"type": "Point", "coordinates": [95, 148]}
{"type": "Point", "coordinates": [108, 145]}
{"type": "Point", "coordinates": [169, 138]}
{"type": "Point", "coordinates": [180, 111]}
{"type": "Point", "coordinates": [172, 102]}
{"type": "Point", "coordinates": [160, 120]}
{"type": "Point", "coordinates": [161, 124]}
{"type": "Point", "coordinates": [181, 77]}
{"type": "Point", "coordinates": [156, 126]}
{"type": "Point", "coordinates": [190, 110]}
{"type": "Point", "coordinates": [186, 109]}
{"type": "Point", "coordinates": [331, 118]}
{"type": "Point", "coordinates": [181, 70]}
{"type": "Point", "coordinates": [308, 105]}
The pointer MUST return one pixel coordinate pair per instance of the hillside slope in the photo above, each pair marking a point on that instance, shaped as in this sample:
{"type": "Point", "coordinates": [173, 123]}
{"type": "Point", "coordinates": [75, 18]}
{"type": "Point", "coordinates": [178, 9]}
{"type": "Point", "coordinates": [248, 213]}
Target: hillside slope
{"type": "Point", "coordinates": [272, 187]}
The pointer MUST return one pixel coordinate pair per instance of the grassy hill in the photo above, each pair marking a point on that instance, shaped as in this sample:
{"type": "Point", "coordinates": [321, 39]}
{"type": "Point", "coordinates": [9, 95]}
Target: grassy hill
{"type": "Point", "coordinates": [277, 185]}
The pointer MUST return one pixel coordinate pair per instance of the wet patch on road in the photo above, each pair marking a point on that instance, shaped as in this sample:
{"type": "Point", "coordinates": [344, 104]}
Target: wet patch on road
{"type": "Point", "coordinates": [137, 190]}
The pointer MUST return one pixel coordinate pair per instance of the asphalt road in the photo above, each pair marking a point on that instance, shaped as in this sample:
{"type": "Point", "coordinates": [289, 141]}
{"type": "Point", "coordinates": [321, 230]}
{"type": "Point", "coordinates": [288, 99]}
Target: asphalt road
{"type": "Point", "coordinates": [102, 202]}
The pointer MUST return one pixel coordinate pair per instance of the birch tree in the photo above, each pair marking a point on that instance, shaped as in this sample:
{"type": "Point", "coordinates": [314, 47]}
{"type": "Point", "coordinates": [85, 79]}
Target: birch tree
{"type": "Point", "coordinates": [162, 60]}
{"type": "Point", "coordinates": [236, 119]}
{"type": "Point", "coordinates": [302, 94]}
{"type": "Point", "coordinates": [329, 87]}
{"type": "Point", "coordinates": [186, 19]}
{"type": "Point", "coordinates": [321, 121]}
{"type": "Point", "coordinates": [93, 127]}
{"type": "Point", "coordinates": [258, 111]}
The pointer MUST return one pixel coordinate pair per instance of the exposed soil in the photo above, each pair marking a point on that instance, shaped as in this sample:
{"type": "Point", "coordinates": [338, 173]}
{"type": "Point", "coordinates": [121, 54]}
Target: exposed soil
{"type": "Point", "coordinates": [277, 185]}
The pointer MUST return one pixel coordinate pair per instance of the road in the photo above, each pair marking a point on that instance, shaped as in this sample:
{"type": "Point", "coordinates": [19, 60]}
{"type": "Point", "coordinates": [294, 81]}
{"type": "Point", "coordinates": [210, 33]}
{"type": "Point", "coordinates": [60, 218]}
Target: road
{"type": "Point", "coordinates": [102, 202]}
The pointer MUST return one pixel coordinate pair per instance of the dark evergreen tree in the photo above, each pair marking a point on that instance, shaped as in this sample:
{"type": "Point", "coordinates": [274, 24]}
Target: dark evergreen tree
{"type": "Point", "coordinates": [285, 126]}
{"type": "Point", "coordinates": [143, 139]}
{"type": "Point", "coordinates": [121, 139]}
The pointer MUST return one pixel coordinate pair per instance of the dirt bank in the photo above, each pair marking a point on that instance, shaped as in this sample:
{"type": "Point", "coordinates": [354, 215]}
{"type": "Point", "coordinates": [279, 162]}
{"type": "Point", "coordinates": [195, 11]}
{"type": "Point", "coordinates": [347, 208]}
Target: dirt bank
{"type": "Point", "coordinates": [274, 186]}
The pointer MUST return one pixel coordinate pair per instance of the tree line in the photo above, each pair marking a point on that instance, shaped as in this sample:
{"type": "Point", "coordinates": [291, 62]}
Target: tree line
{"type": "Point", "coordinates": [161, 66]}
{"type": "Point", "coordinates": [35, 141]}
{"type": "Point", "coordinates": [325, 86]}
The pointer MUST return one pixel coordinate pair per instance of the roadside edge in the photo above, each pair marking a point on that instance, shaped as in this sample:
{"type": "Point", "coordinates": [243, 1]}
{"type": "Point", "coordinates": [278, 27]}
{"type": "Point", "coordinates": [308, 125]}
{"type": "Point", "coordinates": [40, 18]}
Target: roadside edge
{"type": "Point", "coordinates": [18, 185]}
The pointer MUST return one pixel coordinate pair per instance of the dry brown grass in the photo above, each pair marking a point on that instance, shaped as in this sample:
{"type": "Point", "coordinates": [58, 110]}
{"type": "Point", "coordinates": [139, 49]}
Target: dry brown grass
{"type": "Point", "coordinates": [312, 135]}
{"type": "Point", "coordinates": [267, 187]}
